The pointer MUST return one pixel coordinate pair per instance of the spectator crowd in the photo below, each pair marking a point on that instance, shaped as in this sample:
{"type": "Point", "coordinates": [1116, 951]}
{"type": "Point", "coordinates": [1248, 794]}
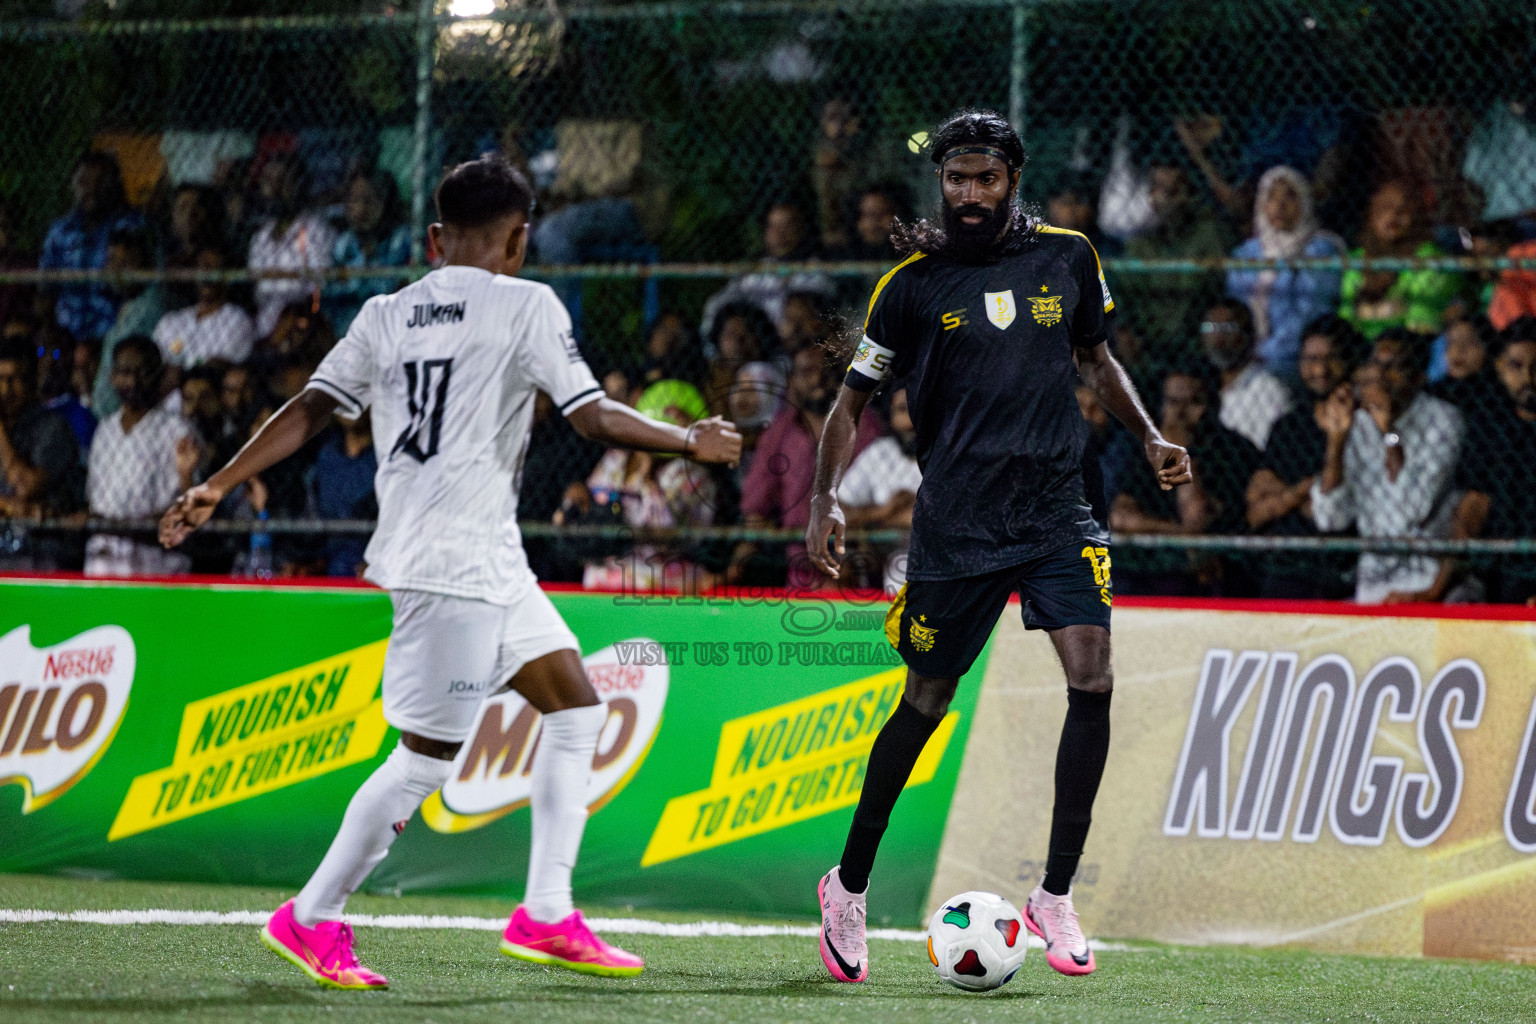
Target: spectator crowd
{"type": "Point", "coordinates": [1314, 402]}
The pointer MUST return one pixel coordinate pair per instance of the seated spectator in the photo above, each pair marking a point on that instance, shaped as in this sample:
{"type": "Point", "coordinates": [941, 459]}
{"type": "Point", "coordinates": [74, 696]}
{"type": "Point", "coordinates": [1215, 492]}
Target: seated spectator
{"type": "Point", "coordinates": [874, 213]}
{"type": "Point", "coordinates": [300, 338]}
{"type": "Point", "coordinates": [1070, 205]}
{"type": "Point", "coordinates": [1284, 301]}
{"type": "Point", "coordinates": [880, 488]}
{"type": "Point", "coordinates": [1252, 398]}
{"type": "Point", "coordinates": [653, 490]}
{"type": "Point", "coordinates": [289, 238]}
{"type": "Point", "coordinates": [1466, 378]}
{"type": "Point", "coordinates": [376, 235]}
{"type": "Point", "coordinates": [1389, 469]}
{"type": "Point", "coordinates": [807, 320]}
{"type": "Point", "coordinates": [1496, 464]}
{"type": "Point", "coordinates": [195, 224]}
{"type": "Point", "coordinates": [143, 456]}
{"type": "Point", "coordinates": [140, 308]}
{"type": "Point", "coordinates": [755, 398]}
{"type": "Point", "coordinates": [1515, 294]}
{"type": "Point", "coordinates": [238, 401]}
{"type": "Point", "coordinates": [341, 487]}
{"type": "Point", "coordinates": [40, 467]}
{"type": "Point", "coordinates": [742, 334]}
{"type": "Point", "coordinates": [1222, 461]}
{"type": "Point", "coordinates": [835, 167]}
{"type": "Point", "coordinates": [786, 238]}
{"type": "Point", "coordinates": [777, 491]}
{"type": "Point", "coordinates": [213, 330]}
{"type": "Point", "coordinates": [79, 241]}
{"type": "Point", "coordinates": [73, 400]}
{"type": "Point", "coordinates": [1280, 491]}
{"type": "Point", "coordinates": [203, 410]}
{"type": "Point", "coordinates": [1102, 429]}
{"type": "Point", "coordinates": [672, 352]}
{"type": "Point", "coordinates": [1164, 305]}
{"type": "Point", "coordinates": [1379, 300]}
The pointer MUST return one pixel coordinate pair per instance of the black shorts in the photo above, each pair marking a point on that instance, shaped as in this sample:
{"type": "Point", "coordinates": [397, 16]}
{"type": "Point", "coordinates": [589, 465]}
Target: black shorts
{"type": "Point", "coordinates": [940, 626]}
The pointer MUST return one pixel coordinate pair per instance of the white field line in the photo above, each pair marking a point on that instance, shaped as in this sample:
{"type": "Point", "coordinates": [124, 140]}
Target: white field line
{"type": "Point", "coordinates": [612, 925]}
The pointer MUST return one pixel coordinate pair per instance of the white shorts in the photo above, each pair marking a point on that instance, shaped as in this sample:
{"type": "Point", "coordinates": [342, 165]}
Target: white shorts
{"type": "Point", "coordinates": [447, 654]}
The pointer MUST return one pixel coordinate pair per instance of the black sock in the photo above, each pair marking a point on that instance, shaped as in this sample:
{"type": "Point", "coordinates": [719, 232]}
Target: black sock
{"type": "Point", "coordinates": [1080, 761]}
{"type": "Point", "coordinates": [896, 750]}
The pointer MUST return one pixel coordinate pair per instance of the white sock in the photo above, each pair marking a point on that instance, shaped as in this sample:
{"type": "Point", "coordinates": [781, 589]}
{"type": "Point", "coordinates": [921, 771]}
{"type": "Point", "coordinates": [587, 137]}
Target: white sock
{"type": "Point", "coordinates": [389, 797]}
{"type": "Point", "coordinates": [561, 769]}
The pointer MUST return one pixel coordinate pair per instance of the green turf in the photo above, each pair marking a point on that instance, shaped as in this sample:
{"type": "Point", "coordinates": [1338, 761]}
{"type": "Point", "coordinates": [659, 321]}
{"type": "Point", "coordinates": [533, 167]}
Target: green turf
{"type": "Point", "coordinates": [73, 972]}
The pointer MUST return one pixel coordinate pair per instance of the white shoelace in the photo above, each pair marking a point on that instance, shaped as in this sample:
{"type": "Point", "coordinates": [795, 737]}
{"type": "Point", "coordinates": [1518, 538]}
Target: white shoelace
{"type": "Point", "coordinates": [848, 926]}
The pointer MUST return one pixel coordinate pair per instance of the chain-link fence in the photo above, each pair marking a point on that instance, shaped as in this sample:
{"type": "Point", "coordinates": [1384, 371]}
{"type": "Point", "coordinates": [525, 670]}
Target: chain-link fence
{"type": "Point", "coordinates": [1339, 344]}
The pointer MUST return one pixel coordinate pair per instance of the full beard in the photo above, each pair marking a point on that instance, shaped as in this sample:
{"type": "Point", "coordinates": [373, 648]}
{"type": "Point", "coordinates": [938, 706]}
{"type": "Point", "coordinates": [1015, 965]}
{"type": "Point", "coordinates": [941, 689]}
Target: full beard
{"type": "Point", "coordinates": [976, 239]}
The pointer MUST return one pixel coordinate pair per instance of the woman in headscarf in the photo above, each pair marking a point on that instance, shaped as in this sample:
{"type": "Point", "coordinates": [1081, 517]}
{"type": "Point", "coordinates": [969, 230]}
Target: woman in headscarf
{"type": "Point", "coordinates": [1285, 301]}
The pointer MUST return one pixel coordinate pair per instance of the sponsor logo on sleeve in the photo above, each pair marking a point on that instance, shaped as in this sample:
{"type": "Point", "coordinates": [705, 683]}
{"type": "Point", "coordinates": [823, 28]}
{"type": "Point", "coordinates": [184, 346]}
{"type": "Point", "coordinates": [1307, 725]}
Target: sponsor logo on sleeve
{"type": "Point", "coordinates": [492, 776]}
{"type": "Point", "coordinates": [60, 707]}
{"type": "Point", "coordinates": [787, 764]}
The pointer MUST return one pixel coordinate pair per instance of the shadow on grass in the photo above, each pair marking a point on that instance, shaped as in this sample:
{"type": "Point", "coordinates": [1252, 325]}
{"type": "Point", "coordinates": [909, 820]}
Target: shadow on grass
{"type": "Point", "coordinates": [249, 993]}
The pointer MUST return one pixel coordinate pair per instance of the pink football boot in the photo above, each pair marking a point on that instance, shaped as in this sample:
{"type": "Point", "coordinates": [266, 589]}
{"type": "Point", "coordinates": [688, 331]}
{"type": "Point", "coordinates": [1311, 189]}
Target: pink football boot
{"type": "Point", "coordinates": [323, 952]}
{"type": "Point", "coordinates": [568, 943]}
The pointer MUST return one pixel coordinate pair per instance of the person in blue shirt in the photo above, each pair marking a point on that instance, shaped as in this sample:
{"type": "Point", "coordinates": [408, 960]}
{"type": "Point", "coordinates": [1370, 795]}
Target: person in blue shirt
{"type": "Point", "coordinates": [376, 235]}
{"type": "Point", "coordinates": [1284, 301]}
{"type": "Point", "coordinates": [341, 487]}
{"type": "Point", "coordinates": [79, 241]}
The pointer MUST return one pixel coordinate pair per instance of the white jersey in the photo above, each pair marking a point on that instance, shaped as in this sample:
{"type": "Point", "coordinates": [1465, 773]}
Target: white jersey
{"type": "Point", "coordinates": [450, 366]}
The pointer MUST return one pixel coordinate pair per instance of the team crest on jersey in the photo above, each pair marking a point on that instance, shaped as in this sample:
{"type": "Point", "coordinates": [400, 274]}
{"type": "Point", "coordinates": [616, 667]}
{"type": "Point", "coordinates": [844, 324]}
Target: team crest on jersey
{"type": "Point", "coordinates": [922, 637]}
{"type": "Point", "coordinates": [1047, 310]}
{"type": "Point", "coordinates": [999, 308]}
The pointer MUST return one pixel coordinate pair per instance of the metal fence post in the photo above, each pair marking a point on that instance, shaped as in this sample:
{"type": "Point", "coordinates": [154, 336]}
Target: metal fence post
{"type": "Point", "coordinates": [425, 30]}
{"type": "Point", "coordinates": [1018, 67]}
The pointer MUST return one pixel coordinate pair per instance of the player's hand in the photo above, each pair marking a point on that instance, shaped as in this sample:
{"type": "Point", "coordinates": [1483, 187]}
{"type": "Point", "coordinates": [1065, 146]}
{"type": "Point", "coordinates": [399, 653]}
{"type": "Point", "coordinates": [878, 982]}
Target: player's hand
{"type": "Point", "coordinates": [187, 513]}
{"type": "Point", "coordinates": [714, 440]}
{"type": "Point", "coordinates": [1169, 462]}
{"type": "Point", "coordinates": [827, 521]}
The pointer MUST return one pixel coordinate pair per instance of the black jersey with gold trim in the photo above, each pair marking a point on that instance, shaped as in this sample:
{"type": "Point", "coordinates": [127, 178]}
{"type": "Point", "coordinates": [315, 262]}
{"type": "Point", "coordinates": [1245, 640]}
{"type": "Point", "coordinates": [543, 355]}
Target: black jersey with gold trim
{"type": "Point", "coordinates": [985, 353]}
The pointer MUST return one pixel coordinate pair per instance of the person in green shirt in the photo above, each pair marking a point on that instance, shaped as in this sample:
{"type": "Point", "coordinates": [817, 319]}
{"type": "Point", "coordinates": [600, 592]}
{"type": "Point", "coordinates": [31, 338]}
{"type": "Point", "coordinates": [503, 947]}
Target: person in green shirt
{"type": "Point", "coordinates": [1375, 301]}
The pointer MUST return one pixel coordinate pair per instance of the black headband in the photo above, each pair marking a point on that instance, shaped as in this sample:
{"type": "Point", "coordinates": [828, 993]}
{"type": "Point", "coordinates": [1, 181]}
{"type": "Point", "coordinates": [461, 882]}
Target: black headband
{"type": "Point", "coordinates": [993, 151]}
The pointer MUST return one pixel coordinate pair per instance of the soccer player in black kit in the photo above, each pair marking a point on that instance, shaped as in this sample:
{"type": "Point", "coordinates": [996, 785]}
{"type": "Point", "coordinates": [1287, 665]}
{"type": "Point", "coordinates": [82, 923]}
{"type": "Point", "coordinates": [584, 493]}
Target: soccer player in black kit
{"type": "Point", "coordinates": [991, 321]}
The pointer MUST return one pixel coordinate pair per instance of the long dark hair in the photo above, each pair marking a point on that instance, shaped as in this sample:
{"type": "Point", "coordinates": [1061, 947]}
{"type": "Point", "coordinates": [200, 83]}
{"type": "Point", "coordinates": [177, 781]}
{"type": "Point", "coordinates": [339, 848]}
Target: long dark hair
{"type": "Point", "coordinates": [973, 127]}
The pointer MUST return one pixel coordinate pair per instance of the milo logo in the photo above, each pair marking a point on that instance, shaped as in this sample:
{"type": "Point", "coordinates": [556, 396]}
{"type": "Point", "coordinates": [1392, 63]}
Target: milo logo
{"type": "Point", "coordinates": [492, 776]}
{"type": "Point", "coordinates": [60, 707]}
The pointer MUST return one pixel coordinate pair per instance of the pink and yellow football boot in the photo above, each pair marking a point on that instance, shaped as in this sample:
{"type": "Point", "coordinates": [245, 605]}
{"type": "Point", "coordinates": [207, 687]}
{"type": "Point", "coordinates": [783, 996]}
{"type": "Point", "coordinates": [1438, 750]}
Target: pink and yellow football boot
{"type": "Point", "coordinates": [323, 952]}
{"type": "Point", "coordinates": [568, 943]}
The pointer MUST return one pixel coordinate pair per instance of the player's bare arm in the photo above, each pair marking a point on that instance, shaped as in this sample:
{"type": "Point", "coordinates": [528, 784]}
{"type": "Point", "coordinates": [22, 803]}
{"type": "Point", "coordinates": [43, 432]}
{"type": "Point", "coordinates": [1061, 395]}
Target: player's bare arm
{"type": "Point", "coordinates": [300, 419]}
{"type": "Point", "coordinates": [614, 423]}
{"type": "Point", "coordinates": [832, 458]}
{"type": "Point", "coordinates": [1102, 372]}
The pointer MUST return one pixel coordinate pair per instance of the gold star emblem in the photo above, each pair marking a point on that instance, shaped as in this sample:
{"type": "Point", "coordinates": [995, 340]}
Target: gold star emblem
{"type": "Point", "coordinates": [1045, 288]}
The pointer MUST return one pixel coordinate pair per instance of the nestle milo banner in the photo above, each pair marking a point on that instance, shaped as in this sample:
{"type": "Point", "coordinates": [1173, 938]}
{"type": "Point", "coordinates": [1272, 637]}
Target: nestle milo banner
{"type": "Point", "coordinates": [1342, 781]}
{"type": "Point", "coordinates": [216, 733]}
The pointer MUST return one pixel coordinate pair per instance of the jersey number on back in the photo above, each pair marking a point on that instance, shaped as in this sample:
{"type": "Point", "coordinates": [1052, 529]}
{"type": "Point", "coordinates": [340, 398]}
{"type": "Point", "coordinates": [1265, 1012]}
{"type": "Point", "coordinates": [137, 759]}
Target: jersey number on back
{"type": "Point", "coordinates": [426, 387]}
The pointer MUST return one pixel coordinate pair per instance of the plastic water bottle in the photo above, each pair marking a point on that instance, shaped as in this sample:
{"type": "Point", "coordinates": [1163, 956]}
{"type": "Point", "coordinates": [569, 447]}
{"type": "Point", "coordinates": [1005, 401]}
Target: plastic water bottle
{"type": "Point", "coordinates": [260, 565]}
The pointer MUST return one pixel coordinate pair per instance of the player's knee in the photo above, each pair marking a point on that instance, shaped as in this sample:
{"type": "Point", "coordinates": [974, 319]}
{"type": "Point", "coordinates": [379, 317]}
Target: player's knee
{"type": "Point", "coordinates": [1098, 680]}
{"type": "Point", "coordinates": [929, 696]}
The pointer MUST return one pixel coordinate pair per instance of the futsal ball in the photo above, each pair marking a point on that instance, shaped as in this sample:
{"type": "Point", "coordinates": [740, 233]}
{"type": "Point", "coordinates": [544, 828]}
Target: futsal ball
{"type": "Point", "coordinates": [977, 941]}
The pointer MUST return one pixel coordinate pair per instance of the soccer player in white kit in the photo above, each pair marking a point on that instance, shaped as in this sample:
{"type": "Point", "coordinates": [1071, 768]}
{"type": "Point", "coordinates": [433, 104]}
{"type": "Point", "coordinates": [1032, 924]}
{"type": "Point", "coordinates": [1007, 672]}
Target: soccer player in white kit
{"type": "Point", "coordinates": [450, 366]}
